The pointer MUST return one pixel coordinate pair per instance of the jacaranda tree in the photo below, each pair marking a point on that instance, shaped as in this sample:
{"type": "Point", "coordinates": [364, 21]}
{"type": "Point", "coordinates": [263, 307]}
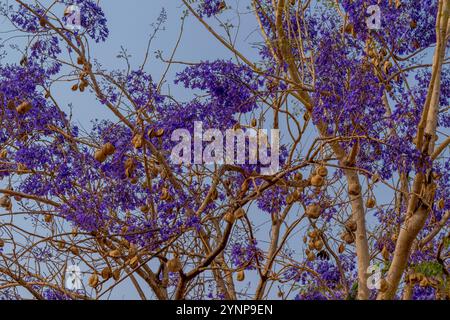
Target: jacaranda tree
{"type": "Point", "coordinates": [357, 208]}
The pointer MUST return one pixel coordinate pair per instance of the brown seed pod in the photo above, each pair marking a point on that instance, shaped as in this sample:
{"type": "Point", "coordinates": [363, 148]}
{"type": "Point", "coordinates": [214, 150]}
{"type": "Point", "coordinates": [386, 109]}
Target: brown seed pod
{"type": "Point", "coordinates": [311, 245]}
{"type": "Point", "coordinates": [290, 199]}
{"type": "Point", "coordinates": [298, 176]}
{"type": "Point", "coordinates": [229, 217]}
{"type": "Point", "coordinates": [348, 237]}
{"type": "Point", "coordinates": [2, 243]}
{"type": "Point", "coordinates": [3, 154]}
{"type": "Point", "coordinates": [385, 253]}
{"type": "Point", "coordinates": [371, 203]}
{"type": "Point", "coordinates": [108, 148]}
{"type": "Point", "coordinates": [214, 194]}
{"type": "Point", "coordinates": [114, 253]}
{"type": "Point", "coordinates": [313, 233]}
{"type": "Point", "coordinates": [80, 60]}
{"type": "Point", "coordinates": [305, 239]}
{"type": "Point", "coordinates": [254, 122]}
{"type": "Point", "coordinates": [159, 133]}
{"type": "Point", "coordinates": [351, 225]}
{"type": "Point", "coordinates": [240, 275]}
{"type": "Point", "coordinates": [164, 194]}
{"type": "Point", "coordinates": [48, 218]}
{"type": "Point", "coordinates": [100, 156]}
{"type": "Point", "coordinates": [74, 250]}
{"type": "Point", "coordinates": [116, 274]}
{"type": "Point", "coordinates": [341, 248]}
{"type": "Point", "coordinates": [322, 171]}
{"type": "Point", "coordinates": [311, 256]}
{"type": "Point", "coordinates": [75, 87]}
{"type": "Point", "coordinates": [174, 265]}
{"type": "Point", "coordinates": [413, 24]}
{"type": "Point", "coordinates": [93, 281]}
{"type": "Point", "coordinates": [313, 211]}
{"type": "Point", "coordinates": [24, 107]}
{"type": "Point", "coordinates": [61, 245]}
{"type": "Point", "coordinates": [134, 262]}
{"type": "Point", "coordinates": [441, 204]}
{"type": "Point", "coordinates": [138, 141]}
{"type": "Point", "coordinates": [5, 201]}
{"type": "Point", "coordinates": [239, 213]}
{"type": "Point", "coordinates": [387, 67]}
{"type": "Point", "coordinates": [11, 105]}
{"type": "Point", "coordinates": [106, 273]}
{"type": "Point", "coordinates": [42, 22]}
{"type": "Point", "coordinates": [354, 189]}
{"type": "Point", "coordinates": [317, 181]}
{"type": "Point", "coordinates": [318, 245]}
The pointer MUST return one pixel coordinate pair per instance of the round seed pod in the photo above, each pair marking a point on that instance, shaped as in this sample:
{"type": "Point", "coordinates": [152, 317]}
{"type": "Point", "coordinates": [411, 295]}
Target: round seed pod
{"type": "Point", "coordinates": [317, 181]}
{"type": "Point", "coordinates": [75, 87]}
{"type": "Point", "coordinates": [313, 233]}
{"type": "Point", "coordinates": [348, 237]}
{"type": "Point", "coordinates": [289, 199]}
{"type": "Point", "coordinates": [106, 273]}
{"type": "Point", "coordinates": [441, 204]}
{"type": "Point", "coordinates": [3, 154]}
{"type": "Point", "coordinates": [351, 225]}
{"type": "Point", "coordinates": [174, 265]}
{"type": "Point", "coordinates": [61, 245]}
{"type": "Point", "coordinates": [2, 243]}
{"type": "Point", "coordinates": [318, 245]}
{"type": "Point", "coordinates": [159, 133]}
{"type": "Point", "coordinates": [354, 189]}
{"type": "Point", "coordinates": [80, 60]}
{"type": "Point", "coordinates": [229, 217]}
{"type": "Point", "coordinates": [108, 148]}
{"type": "Point", "coordinates": [311, 256]}
{"type": "Point", "coordinates": [371, 203]}
{"type": "Point", "coordinates": [239, 213]}
{"type": "Point", "coordinates": [138, 141]}
{"type": "Point", "coordinates": [341, 248]}
{"type": "Point", "coordinates": [24, 107]}
{"type": "Point", "coordinates": [311, 245]}
{"type": "Point", "coordinates": [93, 281]}
{"type": "Point", "coordinates": [134, 262]}
{"type": "Point", "coordinates": [48, 218]}
{"type": "Point", "coordinates": [11, 105]}
{"type": "Point", "coordinates": [240, 275]}
{"type": "Point", "coordinates": [100, 156]}
{"type": "Point", "coordinates": [322, 171]}
{"type": "Point", "coordinates": [313, 211]}
{"type": "Point", "coordinates": [5, 201]}
{"type": "Point", "coordinates": [74, 250]}
{"type": "Point", "coordinates": [298, 176]}
{"type": "Point", "coordinates": [114, 253]}
{"type": "Point", "coordinates": [116, 274]}
{"type": "Point", "coordinates": [254, 122]}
